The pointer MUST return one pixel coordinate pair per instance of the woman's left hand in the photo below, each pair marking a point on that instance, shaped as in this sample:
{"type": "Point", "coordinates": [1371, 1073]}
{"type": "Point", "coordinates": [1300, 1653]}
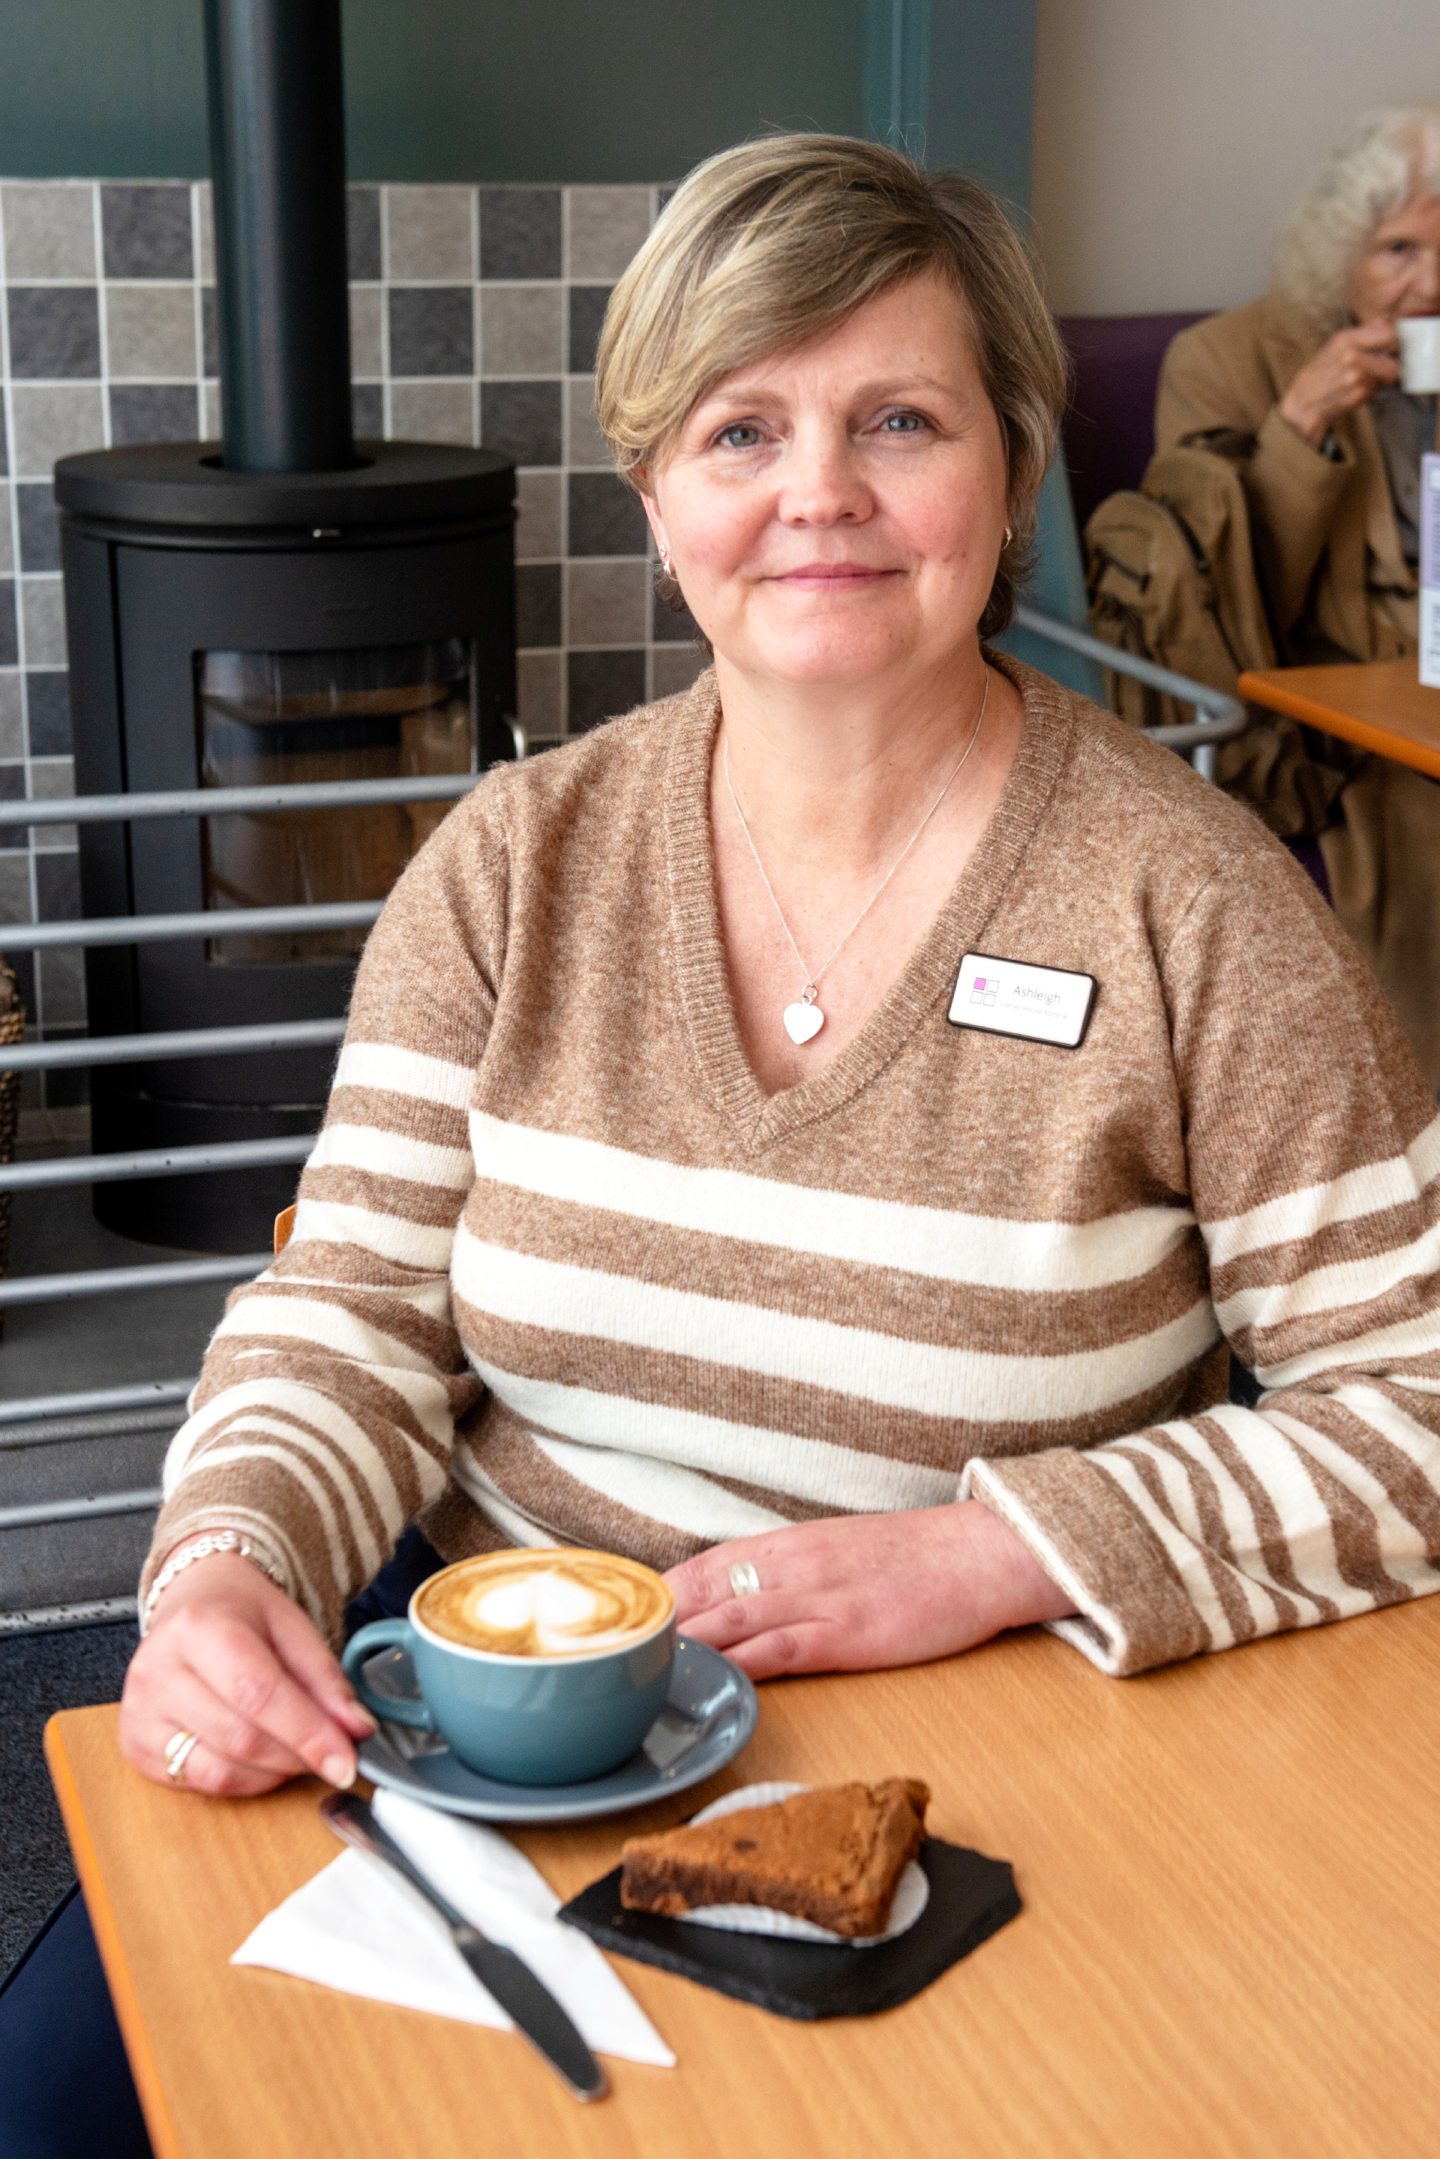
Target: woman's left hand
{"type": "Point", "coordinates": [856, 1592]}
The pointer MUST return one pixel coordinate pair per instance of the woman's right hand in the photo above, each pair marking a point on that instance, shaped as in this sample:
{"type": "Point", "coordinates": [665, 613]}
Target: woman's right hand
{"type": "Point", "coordinates": [231, 1659]}
{"type": "Point", "coordinates": [1345, 373]}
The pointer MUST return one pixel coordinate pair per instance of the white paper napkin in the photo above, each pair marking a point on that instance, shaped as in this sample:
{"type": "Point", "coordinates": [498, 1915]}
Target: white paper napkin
{"type": "Point", "coordinates": [356, 1927]}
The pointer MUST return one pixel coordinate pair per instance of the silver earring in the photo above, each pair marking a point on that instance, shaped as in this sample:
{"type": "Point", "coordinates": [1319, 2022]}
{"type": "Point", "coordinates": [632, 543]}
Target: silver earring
{"type": "Point", "coordinates": [1009, 534]}
{"type": "Point", "coordinates": [665, 562]}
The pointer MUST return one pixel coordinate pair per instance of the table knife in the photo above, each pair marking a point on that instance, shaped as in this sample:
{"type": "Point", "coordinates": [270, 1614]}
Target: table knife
{"type": "Point", "coordinates": [525, 1999]}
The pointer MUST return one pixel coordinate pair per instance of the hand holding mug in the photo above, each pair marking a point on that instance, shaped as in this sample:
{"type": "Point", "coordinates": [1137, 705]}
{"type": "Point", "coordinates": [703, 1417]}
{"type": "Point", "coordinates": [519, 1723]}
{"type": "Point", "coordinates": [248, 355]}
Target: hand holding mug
{"type": "Point", "coordinates": [1343, 375]}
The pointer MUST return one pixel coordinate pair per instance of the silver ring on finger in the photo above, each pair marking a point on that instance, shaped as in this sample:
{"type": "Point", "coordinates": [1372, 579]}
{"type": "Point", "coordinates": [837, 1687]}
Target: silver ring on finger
{"type": "Point", "coordinates": [177, 1750]}
{"type": "Point", "coordinates": [744, 1579]}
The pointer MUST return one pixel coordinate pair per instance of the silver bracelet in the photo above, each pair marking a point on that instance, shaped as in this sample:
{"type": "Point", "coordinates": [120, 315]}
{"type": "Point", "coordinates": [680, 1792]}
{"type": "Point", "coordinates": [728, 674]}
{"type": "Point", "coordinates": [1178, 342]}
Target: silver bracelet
{"type": "Point", "coordinates": [215, 1540]}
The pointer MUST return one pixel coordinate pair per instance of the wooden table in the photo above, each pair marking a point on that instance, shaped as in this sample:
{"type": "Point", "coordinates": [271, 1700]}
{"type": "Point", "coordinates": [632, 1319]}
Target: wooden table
{"type": "Point", "coordinates": [1230, 1947]}
{"type": "Point", "coordinates": [1379, 704]}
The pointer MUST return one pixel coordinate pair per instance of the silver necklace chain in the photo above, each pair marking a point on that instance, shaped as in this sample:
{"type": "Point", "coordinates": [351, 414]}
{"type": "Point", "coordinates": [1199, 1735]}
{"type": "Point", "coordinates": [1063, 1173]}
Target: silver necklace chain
{"type": "Point", "coordinates": [812, 979]}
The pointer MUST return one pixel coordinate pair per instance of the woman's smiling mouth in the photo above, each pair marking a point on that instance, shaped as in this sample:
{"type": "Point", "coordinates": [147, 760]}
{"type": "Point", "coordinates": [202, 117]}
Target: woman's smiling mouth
{"type": "Point", "coordinates": [831, 574]}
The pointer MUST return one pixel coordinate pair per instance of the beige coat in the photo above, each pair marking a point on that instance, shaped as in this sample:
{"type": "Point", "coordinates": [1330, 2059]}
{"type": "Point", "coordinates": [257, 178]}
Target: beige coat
{"type": "Point", "coordinates": [1338, 587]}
{"type": "Point", "coordinates": [1335, 576]}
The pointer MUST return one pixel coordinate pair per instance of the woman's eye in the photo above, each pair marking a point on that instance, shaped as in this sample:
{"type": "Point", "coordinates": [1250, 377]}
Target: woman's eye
{"type": "Point", "coordinates": [903, 423]}
{"type": "Point", "coordinates": [739, 435]}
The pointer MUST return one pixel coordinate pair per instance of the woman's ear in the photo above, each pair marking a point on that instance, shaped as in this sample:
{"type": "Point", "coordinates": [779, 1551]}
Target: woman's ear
{"type": "Point", "coordinates": [656, 523]}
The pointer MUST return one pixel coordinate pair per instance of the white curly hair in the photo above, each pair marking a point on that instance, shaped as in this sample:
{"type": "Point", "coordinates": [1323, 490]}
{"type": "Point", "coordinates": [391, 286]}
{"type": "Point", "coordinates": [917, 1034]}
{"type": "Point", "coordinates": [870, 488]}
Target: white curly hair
{"type": "Point", "coordinates": [1387, 156]}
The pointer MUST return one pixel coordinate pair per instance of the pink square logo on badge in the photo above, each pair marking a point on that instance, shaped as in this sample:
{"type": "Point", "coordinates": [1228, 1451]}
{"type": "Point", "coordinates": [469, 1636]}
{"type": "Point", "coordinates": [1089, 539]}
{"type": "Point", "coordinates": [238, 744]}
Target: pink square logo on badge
{"type": "Point", "coordinates": [985, 992]}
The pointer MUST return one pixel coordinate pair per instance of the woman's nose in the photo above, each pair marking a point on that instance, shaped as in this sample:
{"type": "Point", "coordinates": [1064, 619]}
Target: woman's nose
{"type": "Point", "coordinates": [822, 482]}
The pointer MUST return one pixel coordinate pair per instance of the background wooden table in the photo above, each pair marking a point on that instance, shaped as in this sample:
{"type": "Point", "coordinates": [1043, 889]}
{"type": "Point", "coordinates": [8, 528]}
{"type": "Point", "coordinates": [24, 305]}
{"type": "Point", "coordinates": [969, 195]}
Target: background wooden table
{"type": "Point", "coordinates": [1380, 705]}
{"type": "Point", "coordinates": [1231, 1877]}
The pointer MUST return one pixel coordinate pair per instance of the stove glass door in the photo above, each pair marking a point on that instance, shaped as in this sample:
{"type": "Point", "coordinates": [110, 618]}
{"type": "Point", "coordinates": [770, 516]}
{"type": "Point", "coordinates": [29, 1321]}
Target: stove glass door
{"type": "Point", "coordinates": [373, 713]}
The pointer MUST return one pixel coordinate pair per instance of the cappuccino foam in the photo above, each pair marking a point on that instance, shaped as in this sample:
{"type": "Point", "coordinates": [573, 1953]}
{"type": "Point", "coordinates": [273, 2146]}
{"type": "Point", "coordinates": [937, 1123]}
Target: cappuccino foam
{"type": "Point", "coordinates": [548, 1603]}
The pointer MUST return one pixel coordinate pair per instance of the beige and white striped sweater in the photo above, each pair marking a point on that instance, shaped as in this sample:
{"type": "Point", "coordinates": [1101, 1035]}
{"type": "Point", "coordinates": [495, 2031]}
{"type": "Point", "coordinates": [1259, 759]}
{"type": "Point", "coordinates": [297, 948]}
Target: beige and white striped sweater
{"type": "Point", "coordinates": [561, 1270]}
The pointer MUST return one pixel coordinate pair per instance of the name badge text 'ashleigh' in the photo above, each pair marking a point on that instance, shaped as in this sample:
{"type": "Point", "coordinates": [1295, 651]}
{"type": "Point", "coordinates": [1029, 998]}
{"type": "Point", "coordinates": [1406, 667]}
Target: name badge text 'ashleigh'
{"type": "Point", "coordinates": [1007, 997]}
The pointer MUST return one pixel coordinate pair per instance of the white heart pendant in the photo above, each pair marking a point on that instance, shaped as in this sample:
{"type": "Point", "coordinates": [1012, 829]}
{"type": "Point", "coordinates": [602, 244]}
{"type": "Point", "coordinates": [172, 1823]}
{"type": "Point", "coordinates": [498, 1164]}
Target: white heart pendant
{"type": "Point", "coordinates": [803, 1022]}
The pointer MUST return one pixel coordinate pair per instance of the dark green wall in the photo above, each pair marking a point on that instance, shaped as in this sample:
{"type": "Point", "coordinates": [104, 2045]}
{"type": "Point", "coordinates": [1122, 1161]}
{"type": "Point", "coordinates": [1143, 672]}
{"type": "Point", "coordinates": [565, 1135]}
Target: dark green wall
{"type": "Point", "coordinates": [561, 90]}
{"type": "Point", "coordinates": [443, 89]}
{"type": "Point", "coordinates": [588, 89]}
{"type": "Point", "coordinates": [980, 91]}
{"type": "Point", "coordinates": [952, 82]}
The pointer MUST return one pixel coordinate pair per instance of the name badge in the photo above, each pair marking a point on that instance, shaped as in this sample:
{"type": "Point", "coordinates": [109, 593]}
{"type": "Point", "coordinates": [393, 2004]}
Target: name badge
{"type": "Point", "coordinates": [1007, 997]}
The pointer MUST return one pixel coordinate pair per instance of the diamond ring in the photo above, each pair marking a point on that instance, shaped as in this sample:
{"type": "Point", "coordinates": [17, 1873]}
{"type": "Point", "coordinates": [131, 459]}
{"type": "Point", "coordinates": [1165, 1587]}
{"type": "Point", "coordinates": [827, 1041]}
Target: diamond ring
{"type": "Point", "coordinates": [744, 1580]}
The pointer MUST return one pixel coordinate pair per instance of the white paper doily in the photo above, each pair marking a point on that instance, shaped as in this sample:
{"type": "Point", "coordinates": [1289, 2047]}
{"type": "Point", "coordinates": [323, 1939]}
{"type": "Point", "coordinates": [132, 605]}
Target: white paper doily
{"type": "Point", "coordinates": [912, 1891]}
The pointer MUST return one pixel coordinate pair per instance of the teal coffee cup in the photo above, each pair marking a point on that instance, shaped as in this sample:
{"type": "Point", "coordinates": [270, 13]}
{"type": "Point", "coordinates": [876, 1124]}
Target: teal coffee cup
{"type": "Point", "coordinates": [536, 1666]}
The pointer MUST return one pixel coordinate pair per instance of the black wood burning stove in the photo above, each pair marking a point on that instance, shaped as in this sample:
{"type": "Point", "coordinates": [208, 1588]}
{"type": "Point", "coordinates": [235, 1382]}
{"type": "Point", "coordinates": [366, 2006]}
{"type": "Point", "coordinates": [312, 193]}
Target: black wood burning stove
{"type": "Point", "coordinates": [292, 606]}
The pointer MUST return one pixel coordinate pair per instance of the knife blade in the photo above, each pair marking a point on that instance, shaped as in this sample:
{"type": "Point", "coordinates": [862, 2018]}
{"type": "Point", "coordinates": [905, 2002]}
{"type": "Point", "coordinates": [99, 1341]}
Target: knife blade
{"type": "Point", "coordinates": [526, 2000]}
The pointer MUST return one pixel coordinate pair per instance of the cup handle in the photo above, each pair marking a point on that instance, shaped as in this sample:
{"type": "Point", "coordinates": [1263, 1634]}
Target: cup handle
{"type": "Point", "coordinates": [383, 1634]}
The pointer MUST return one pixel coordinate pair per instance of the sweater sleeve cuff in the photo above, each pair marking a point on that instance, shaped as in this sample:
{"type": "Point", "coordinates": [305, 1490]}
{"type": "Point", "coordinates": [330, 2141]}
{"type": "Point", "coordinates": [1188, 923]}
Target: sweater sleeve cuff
{"type": "Point", "coordinates": [1131, 1610]}
{"type": "Point", "coordinates": [255, 1501]}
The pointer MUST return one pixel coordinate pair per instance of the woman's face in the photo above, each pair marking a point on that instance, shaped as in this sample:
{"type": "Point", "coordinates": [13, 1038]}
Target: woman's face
{"type": "Point", "coordinates": [836, 511]}
{"type": "Point", "coordinates": [1397, 272]}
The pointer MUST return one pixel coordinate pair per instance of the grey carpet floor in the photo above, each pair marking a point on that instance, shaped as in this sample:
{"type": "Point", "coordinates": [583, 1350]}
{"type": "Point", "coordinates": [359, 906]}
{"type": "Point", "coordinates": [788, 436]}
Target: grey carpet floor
{"type": "Point", "coordinates": [40, 1673]}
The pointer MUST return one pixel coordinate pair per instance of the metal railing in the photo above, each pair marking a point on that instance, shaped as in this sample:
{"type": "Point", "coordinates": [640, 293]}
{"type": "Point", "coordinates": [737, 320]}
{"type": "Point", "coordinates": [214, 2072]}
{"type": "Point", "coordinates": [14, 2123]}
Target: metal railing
{"type": "Point", "coordinates": [1220, 716]}
{"type": "Point", "coordinates": [121, 1411]}
{"type": "Point", "coordinates": [117, 1412]}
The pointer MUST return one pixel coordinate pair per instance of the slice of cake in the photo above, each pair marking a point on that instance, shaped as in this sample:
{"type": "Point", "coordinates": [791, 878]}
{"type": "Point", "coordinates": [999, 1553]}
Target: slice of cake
{"type": "Point", "coordinates": [832, 1856]}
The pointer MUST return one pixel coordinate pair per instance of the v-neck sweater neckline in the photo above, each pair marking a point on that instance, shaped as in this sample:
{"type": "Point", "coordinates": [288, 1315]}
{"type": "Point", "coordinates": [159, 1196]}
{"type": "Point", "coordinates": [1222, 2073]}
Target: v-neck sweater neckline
{"type": "Point", "coordinates": [925, 982]}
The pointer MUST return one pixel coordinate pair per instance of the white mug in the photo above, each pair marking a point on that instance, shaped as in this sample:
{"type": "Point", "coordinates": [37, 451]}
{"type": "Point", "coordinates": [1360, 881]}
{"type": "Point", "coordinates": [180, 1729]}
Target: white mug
{"type": "Point", "coordinates": [1419, 353]}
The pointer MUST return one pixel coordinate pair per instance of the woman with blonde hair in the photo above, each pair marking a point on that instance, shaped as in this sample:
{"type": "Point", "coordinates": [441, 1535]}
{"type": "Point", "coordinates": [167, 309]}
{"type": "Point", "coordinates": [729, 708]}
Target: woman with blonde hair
{"type": "Point", "coordinates": [824, 1134]}
{"type": "Point", "coordinates": [686, 1190]}
{"type": "Point", "coordinates": [1301, 388]}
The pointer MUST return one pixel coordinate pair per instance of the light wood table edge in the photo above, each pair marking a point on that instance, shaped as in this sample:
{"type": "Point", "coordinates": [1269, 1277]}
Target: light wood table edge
{"type": "Point", "coordinates": [1259, 687]}
{"type": "Point", "coordinates": [107, 1937]}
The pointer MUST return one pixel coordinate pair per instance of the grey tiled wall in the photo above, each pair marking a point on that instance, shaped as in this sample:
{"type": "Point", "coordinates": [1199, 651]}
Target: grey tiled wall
{"type": "Point", "coordinates": [474, 313]}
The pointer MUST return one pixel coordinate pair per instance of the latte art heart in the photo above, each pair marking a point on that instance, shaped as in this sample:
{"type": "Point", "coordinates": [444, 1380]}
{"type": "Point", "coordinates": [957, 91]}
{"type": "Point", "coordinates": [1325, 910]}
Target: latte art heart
{"type": "Point", "coordinates": [553, 1609]}
{"type": "Point", "coordinates": [544, 1603]}
{"type": "Point", "coordinates": [803, 1022]}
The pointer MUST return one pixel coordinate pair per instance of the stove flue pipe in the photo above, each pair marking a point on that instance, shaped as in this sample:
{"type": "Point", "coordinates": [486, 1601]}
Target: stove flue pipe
{"type": "Point", "coordinates": [277, 152]}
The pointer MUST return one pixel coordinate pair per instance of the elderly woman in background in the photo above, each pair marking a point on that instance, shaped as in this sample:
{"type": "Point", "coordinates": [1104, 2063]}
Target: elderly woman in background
{"type": "Point", "coordinates": [823, 1134]}
{"type": "Point", "coordinates": [1302, 388]}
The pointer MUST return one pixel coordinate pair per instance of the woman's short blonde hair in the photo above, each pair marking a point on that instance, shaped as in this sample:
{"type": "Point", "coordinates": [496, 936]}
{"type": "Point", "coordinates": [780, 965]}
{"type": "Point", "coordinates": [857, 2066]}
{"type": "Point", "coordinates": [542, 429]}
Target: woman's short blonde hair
{"type": "Point", "coordinates": [779, 241]}
{"type": "Point", "coordinates": [1387, 156]}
